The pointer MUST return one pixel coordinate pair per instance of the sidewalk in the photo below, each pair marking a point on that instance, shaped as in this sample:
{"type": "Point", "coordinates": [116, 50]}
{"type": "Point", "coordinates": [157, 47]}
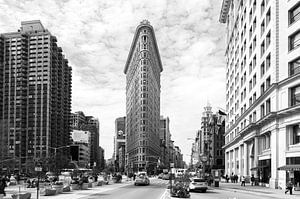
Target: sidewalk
{"type": "Point", "coordinates": [76, 194]}
{"type": "Point", "coordinates": [258, 190]}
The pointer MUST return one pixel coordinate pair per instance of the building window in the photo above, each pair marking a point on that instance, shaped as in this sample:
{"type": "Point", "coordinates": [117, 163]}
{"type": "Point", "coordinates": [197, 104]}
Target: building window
{"type": "Point", "coordinates": [268, 39]}
{"type": "Point", "coordinates": [268, 17]}
{"type": "Point", "coordinates": [262, 69]}
{"type": "Point", "coordinates": [262, 111]}
{"type": "Point", "coordinates": [294, 40]}
{"type": "Point", "coordinates": [294, 67]}
{"type": "Point", "coordinates": [295, 134]}
{"type": "Point", "coordinates": [262, 27]}
{"type": "Point", "coordinates": [295, 95]}
{"type": "Point", "coordinates": [262, 7]}
{"type": "Point", "coordinates": [268, 106]}
{"type": "Point", "coordinates": [268, 82]}
{"type": "Point", "coordinates": [262, 89]}
{"type": "Point", "coordinates": [268, 61]}
{"type": "Point", "coordinates": [294, 14]}
{"type": "Point", "coordinates": [262, 48]}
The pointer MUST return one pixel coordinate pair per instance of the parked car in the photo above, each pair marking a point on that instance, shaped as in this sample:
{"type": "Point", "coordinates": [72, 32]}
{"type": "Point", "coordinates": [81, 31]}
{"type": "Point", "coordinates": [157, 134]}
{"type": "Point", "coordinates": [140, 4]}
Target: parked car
{"type": "Point", "coordinates": [141, 179]}
{"type": "Point", "coordinates": [198, 184]}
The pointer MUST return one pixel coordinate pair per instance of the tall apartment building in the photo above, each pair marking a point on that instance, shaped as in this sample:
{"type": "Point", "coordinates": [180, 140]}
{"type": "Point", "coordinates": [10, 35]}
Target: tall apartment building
{"type": "Point", "coordinates": [119, 144]}
{"type": "Point", "coordinates": [165, 137]}
{"type": "Point", "coordinates": [88, 123]}
{"type": "Point", "coordinates": [263, 89]}
{"type": "Point", "coordinates": [142, 69]}
{"type": "Point", "coordinates": [35, 98]}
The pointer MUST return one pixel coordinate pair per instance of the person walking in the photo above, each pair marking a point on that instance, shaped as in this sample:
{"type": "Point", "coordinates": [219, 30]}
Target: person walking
{"type": "Point", "coordinates": [289, 188]}
{"type": "Point", "coordinates": [2, 187]}
{"type": "Point", "coordinates": [252, 180]}
{"type": "Point", "coordinates": [243, 181]}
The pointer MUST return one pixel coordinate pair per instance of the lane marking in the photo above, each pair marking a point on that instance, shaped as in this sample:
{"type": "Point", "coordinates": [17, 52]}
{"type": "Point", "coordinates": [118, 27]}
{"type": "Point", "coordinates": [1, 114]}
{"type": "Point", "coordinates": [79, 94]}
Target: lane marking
{"type": "Point", "coordinates": [164, 195]}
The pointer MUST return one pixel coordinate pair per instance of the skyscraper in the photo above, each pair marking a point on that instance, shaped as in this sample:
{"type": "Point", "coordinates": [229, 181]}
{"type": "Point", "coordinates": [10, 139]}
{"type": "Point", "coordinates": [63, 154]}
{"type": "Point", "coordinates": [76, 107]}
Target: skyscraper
{"type": "Point", "coordinates": [36, 97]}
{"type": "Point", "coordinates": [119, 144]}
{"type": "Point", "coordinates": [262, 89]}
{"type": "Point", "coordinates": [142, 69]}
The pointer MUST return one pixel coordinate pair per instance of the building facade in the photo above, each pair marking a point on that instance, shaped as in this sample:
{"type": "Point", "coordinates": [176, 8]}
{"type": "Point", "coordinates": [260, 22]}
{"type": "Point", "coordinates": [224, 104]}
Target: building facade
{"type": "Point", "coordinates": [216, 125]}
{"type": "Point", "coordinates": [262, 90]}
{"type": "Point", "coordinates": [35, 98]}
{"type": "Point", "coordinates": [142, 69]}
{"type": "Point", "coordinates": [102, 158]}
{"type": "Point", "coordinates": [165, 137]}
{"type": "Point", "coordinates": [80, 148]}
{"type": "Point", "coordinates": [79, 121]}
{"type": "Point", "coordinates": [119, 144]}
{"type": "Point", "coordinates": [206, 149]}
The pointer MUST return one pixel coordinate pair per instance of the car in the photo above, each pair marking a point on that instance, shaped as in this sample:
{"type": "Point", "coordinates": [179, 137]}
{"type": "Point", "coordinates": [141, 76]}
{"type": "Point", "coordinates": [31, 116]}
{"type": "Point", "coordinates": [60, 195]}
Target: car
{"type": "Point", "coordinates": [198, 184]}
{"type": "Point", "coordinates": [141, 179]}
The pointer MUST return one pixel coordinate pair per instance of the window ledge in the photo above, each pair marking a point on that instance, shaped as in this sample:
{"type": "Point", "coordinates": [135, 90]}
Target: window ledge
{"type": "Point", "coordinates": [294, 147]}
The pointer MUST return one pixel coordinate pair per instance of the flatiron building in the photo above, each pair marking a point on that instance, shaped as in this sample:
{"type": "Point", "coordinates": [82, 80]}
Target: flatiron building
{"type": "Point", "coordinates": [142, 69]}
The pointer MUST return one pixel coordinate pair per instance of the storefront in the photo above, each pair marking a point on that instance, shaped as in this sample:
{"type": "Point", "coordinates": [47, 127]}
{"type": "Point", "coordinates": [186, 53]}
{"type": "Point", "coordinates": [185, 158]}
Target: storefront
{"type": "Point", "coordinates": [292, 169]}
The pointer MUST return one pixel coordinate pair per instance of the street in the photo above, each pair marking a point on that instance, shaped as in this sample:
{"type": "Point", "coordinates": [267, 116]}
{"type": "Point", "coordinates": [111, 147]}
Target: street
{"type": "Point", "coordinates": [154, 190]}
{"type": "Point", "coordinates": [158, 190]}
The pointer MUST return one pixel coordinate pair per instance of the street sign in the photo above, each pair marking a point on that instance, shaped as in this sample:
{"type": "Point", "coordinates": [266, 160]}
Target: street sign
{"type": "Point", "coordinates": [172, 165]}
{"type": "Point", "coordinates": [38, 169]}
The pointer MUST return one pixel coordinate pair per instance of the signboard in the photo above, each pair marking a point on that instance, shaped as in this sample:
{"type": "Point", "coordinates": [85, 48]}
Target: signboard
{"type": "Point", "coordinates": [172, 165]}
{"type": "Point", "coordinates": [38, 168]}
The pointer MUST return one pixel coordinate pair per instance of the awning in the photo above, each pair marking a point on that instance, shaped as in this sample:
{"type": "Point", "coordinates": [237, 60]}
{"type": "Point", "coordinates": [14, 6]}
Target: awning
{"type": "Point", "coordinates": [293, 167]}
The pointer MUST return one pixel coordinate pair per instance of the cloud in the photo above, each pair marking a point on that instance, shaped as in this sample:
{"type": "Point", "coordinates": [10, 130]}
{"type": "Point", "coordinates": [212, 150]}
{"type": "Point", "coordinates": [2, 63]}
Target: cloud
{"type": "Point", "coordinates": [96, 37]}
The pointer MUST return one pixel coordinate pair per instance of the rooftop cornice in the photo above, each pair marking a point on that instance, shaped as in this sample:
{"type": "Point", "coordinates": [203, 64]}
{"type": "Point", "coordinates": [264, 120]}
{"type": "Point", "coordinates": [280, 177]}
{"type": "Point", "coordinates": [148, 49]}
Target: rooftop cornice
{"type": "Point", "coordinates": [144, 23]}
{"type": "Point", "coordinates": [224, 10]}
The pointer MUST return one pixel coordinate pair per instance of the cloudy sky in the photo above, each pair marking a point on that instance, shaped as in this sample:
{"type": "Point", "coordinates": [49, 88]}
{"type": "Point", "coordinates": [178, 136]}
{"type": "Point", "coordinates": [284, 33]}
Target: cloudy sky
{"type": "Point", "coordinates": [96, 36]}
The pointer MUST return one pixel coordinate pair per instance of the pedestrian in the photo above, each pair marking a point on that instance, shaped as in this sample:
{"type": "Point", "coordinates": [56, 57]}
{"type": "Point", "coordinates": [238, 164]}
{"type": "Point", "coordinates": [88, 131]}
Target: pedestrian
{"type": "Point", "coordinates": [227, 178]}
{"type": "Point", "coordinates": [134, 175]}
{"type": "Point", "coordinates": [236, 178]}
{"type": "Point", "coordinates": [252, 180]}
{"type": "Point", "coordinates": [243, 181]}
{"type": "Point", "coordinates": [2, 187]}
{"type": "Point", "coordinates": [289, 187]}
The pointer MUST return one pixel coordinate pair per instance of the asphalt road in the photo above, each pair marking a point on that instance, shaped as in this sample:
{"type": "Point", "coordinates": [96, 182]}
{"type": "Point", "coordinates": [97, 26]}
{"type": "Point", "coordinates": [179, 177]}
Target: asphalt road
{"type": "Point", "coordinates": [224, 194]}
{"type": "Point", "coordinates": [153, 191]}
